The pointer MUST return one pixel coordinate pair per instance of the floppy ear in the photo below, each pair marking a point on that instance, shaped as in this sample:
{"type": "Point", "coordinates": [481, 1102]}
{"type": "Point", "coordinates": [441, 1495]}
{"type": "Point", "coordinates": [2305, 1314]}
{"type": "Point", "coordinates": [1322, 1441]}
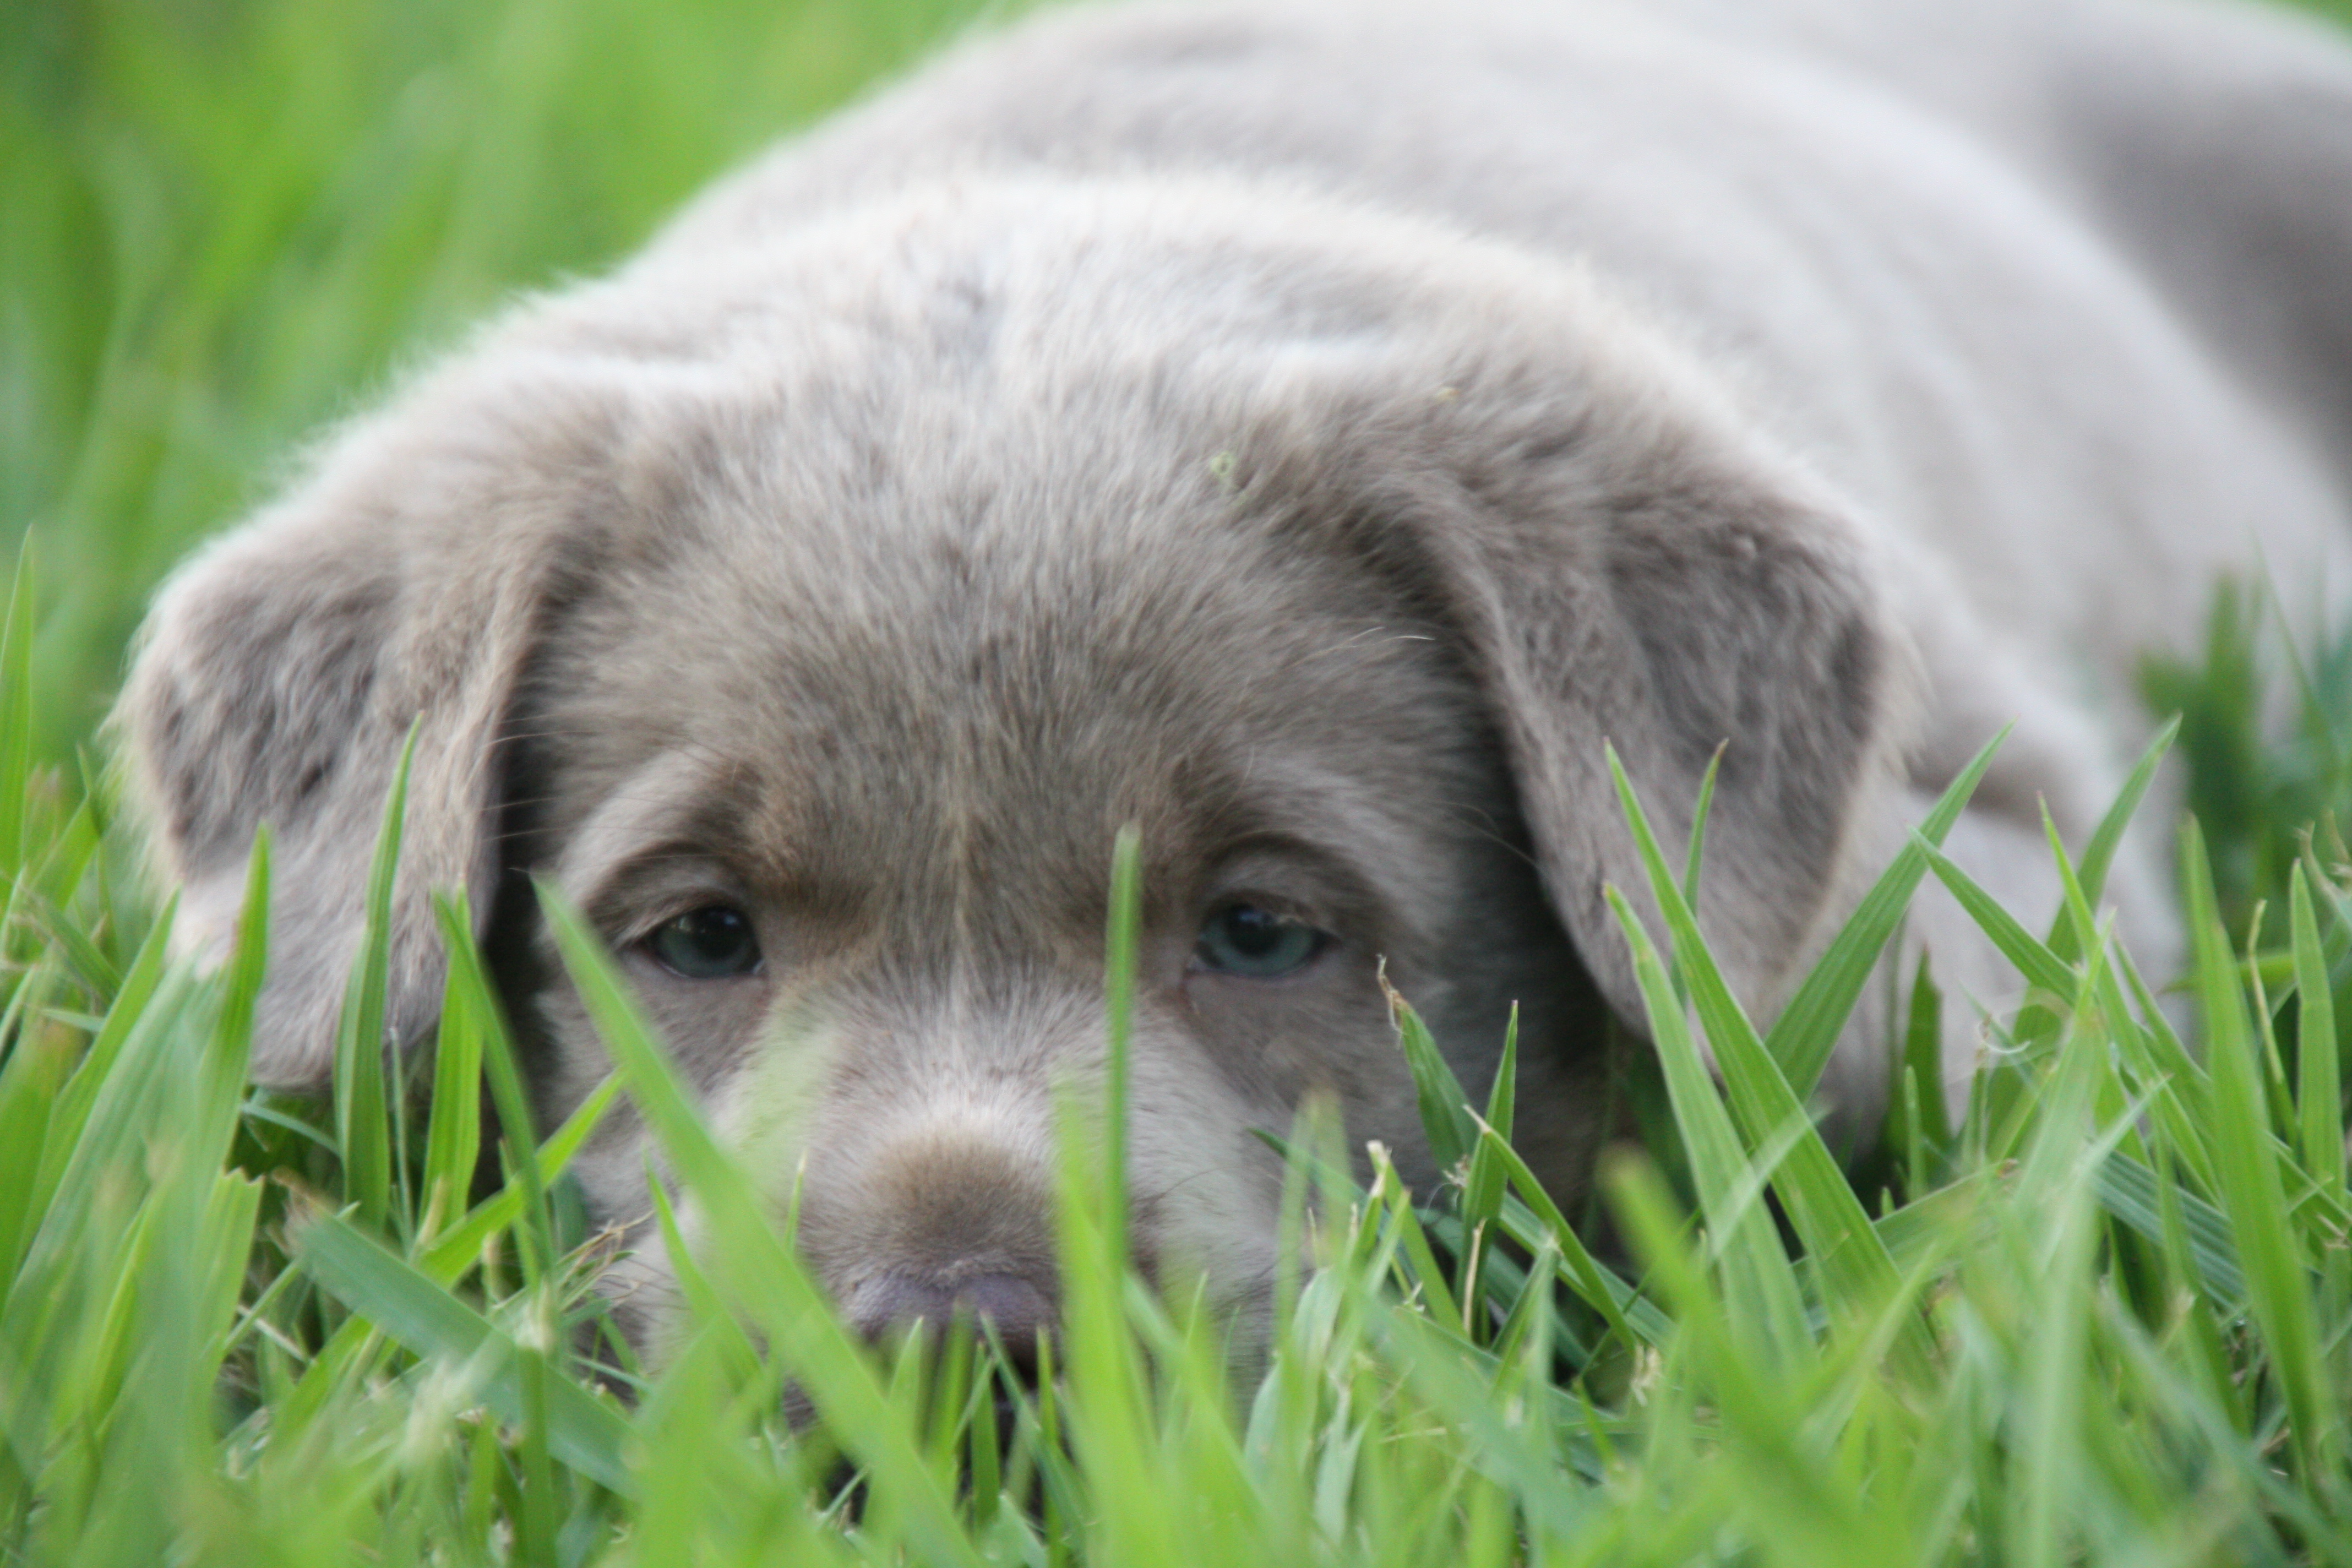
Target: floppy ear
{"type": "Point", "coordinates": [1629, 569]}
{"type": "Point", "coordinates": [1705, 614]}
{"type": "Point", "coordinates": [280, 671]}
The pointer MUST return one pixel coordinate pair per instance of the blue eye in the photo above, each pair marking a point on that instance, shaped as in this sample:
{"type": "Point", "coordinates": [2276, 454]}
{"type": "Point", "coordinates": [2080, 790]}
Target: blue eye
{"type": "Point", "coordinates": [1255, 944]}
{"type": "Point", "coordinates": [712, 942]}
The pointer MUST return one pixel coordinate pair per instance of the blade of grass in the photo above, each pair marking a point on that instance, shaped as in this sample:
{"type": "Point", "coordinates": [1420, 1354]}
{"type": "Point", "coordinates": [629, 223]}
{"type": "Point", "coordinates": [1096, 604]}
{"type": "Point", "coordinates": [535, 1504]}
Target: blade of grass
{"type": "Point", "coordinates": [2136, 1195]}
{"type": "Point", "coordinates": [1756, 1271]}
{"type": "Point", "coordinates": [2040, 966]}
{"type": "Point", "coordinates": [1922, 1060]}
{"type": "Point", "coordinates": [1412, 1241]}
{"type": "Point", "coordinates": [1445, 1117]}
{"type": "Point", "coordinates": [449, 1255]}
{"type": "Point", "coordinates": [2247, 1165]}
{"type": "Point", "coordinates": [241, 989]}
{"type": "Point", "coordinates": [1700, 811]}
{"type": "Point", "coordinates": [453, 1140]}
{"type": "Point", "coordinates": [1482, 1189]}
{"type": "Point", "coordinates": [361, 1131]}
{"type": "Point", "coordinates": [2319, 1091]}
{"type": "Point", "coordinates": [2319, 1094]}
{"type": "Point", "coordinates": [1828, 1217]}
{"type": "Point", "coordinates": [2203, 1305]}
{"type": "Point", "coordinates": [1806, 1032]}
{"type": "Point", "coordinates": [535, 1223]}
{"type": "Point", "coordinates": [2099, 852]}
{"type": "Point", "coordinates": [1531, 1219]}
{"type": "Point", "coordinates": [1119, 1013]}
{"type": "Point", "coordinates": [17, 711]}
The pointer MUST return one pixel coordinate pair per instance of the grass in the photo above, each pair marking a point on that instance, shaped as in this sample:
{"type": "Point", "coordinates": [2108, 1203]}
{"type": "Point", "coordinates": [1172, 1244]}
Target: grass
{"type": "Point", "coordinates": [2105, 1316]}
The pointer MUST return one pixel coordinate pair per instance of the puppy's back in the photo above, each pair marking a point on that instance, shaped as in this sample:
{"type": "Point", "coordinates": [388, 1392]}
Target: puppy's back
{"type": "Point", "coordinates": [2028, 281]}
{"type": "Point", "coordinates": [2210, 142]}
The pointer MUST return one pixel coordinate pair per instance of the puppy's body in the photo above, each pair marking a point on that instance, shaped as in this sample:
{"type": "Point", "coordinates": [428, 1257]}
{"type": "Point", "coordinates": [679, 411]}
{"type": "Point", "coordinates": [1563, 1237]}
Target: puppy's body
{"type": "Point", "coordinates": [1306, 434]}
{"type": "Point", "coordinates": [1932, 249]}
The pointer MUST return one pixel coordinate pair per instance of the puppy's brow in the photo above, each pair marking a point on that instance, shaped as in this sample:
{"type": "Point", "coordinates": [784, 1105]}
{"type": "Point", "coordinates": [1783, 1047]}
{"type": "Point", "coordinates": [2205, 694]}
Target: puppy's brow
{"type": "Point", "coordinates": [1288, 805]}
{"type": "Point", "coordinates": [658, 803]}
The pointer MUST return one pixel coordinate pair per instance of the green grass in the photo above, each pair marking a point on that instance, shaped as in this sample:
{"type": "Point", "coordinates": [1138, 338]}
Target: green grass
{"type": "Point", "coordinates": [2106, 1317]}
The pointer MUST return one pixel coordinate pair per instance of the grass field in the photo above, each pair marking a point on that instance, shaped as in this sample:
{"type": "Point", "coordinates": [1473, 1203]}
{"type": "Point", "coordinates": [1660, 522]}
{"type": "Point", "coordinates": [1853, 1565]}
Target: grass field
{"type": "Point", "coordinates": [2107, 1317]}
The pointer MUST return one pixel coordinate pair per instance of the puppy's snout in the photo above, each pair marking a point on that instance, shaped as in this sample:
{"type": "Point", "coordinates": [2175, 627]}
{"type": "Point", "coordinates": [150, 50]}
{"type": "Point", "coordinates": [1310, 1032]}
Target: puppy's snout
{"type": "Point", "coordinates": [1020, 1309]}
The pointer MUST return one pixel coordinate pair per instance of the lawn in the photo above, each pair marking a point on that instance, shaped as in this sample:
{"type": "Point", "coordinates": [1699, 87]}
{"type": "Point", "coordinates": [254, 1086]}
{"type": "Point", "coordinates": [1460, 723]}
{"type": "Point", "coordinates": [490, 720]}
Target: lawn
{"type": "Point", "coordinates": [2106, 1317]}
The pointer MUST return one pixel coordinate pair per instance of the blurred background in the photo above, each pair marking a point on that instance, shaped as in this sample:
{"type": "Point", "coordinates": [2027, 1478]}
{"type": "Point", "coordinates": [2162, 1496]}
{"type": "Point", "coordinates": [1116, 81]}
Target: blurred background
{"type": "Point", "coordinates": [222, 223]}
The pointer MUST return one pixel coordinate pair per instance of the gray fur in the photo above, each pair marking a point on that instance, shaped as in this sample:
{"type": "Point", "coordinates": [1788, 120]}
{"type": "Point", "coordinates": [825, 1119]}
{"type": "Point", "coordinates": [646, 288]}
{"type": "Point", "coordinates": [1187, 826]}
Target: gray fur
{"type": "Point", "coordinates": [1308, 432]}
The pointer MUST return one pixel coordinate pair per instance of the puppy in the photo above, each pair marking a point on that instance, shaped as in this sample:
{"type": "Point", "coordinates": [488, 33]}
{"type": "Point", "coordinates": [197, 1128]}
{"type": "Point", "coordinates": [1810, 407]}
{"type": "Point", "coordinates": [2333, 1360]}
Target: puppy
{"type": "Point", "coordinates": [1307, 433]}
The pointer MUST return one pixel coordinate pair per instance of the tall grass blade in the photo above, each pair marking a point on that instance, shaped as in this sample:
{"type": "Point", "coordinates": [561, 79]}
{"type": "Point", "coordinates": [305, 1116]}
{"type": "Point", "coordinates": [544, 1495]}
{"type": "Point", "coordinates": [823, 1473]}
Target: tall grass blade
{"type": "Point", "coordinates": [2040, 966]}
{"type": "Point", "coordinates": [1923, 1059]}
{"type": "Point", "coordinates": [2138, 1196]}
{"type": "Point", "coordinates": [1830, 1219]}
{"type": "Point", "coordinates": [1120, 939]}
{"type": "Point", "coordinates": [2319, 1094]}
{"type": "Point", "coordinates": [241, 983]}
{"type": "Point", "coordinates": [362, 1129]}
{"type": "Point", "coordinates": [1412, 1240]}
{"type": "Point", "coordinates": [484, 1021]}
{"type": "Point", "coordinates": [1482, 1192]}
{"type": "Point", "coordinates": [1700, 811]}
{"type": "Point", "coordinates": [1802, 1038]}
{"type": "Point", "coordinates": [2319, 1091]}
{"type": "Point", "coordinates": [1445, 1116]}
{"type": "Point", "coordinates": [2099, 853]}
{"type": "Point", "coordinates": [447, 1255]}
{"type": "Point", "coordinates": [2246, 1163]}
{"type": "Point", "coordinates": [16, 713]}
{"type": "Point", "coordinates": [453, 1138]}
{"type": "Point", "coordinates": [1756, 1271]}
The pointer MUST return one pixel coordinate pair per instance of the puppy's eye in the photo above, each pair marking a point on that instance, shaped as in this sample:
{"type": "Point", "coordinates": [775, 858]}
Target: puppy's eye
{"type": "Point", "coordinates": [708, 943]}
{"type": "Point", "coordinates": [1255, 944]}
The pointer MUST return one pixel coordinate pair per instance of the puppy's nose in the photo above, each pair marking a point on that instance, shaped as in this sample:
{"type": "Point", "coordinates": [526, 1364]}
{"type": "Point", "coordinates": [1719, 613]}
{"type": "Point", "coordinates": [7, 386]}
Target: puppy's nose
{"type": "Point", "coordinates": [1020, 1309]}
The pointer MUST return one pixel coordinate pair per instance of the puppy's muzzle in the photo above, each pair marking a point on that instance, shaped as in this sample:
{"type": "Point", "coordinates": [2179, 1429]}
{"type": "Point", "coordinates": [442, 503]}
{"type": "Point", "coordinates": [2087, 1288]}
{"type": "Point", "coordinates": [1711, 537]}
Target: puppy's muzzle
{"type": "Point", "coordinates": [945, 1219]}
{"type": "Point", "coordinates": [1020, 1308]}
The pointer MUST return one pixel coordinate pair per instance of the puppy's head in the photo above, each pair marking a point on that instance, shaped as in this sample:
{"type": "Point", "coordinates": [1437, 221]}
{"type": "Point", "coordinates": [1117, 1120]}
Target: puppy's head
{"type": "Point", "coordinates": [813, 616]}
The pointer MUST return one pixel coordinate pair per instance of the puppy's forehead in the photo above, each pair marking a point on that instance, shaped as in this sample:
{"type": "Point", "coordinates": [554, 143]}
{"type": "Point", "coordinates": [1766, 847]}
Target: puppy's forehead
{"type": "Point", "coordinates": [986, 648]}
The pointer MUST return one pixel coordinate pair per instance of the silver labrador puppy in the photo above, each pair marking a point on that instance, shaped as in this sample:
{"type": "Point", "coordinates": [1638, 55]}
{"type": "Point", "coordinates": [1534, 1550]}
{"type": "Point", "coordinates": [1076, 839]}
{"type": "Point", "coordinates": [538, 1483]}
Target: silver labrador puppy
{"type": "Point", "coordinates": [1306, 432]}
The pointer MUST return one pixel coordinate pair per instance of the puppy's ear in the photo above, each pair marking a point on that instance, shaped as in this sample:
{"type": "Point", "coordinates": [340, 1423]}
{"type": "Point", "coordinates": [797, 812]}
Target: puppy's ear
{"type": "Point", "coordinates": [280, 671]}
{"type": "Point", "coordinates": [1647, 577]}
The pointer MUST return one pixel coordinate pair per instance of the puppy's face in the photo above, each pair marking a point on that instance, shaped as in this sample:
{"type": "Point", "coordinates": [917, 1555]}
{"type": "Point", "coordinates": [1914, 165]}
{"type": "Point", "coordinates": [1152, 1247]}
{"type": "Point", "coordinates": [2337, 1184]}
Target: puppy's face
{"type": "Point", "coordinates": [815, 614]}
{"type": "Point", "coordinates": [841, 790]}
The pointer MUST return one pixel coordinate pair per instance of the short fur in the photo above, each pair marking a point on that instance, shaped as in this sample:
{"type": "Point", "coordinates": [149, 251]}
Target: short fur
{"type": "Point", "coordinates": [1307, 433]}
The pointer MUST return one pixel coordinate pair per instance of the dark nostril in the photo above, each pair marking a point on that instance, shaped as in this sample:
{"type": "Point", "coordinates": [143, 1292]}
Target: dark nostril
{"type": "Point", "coordinates": [1017, 1310]}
